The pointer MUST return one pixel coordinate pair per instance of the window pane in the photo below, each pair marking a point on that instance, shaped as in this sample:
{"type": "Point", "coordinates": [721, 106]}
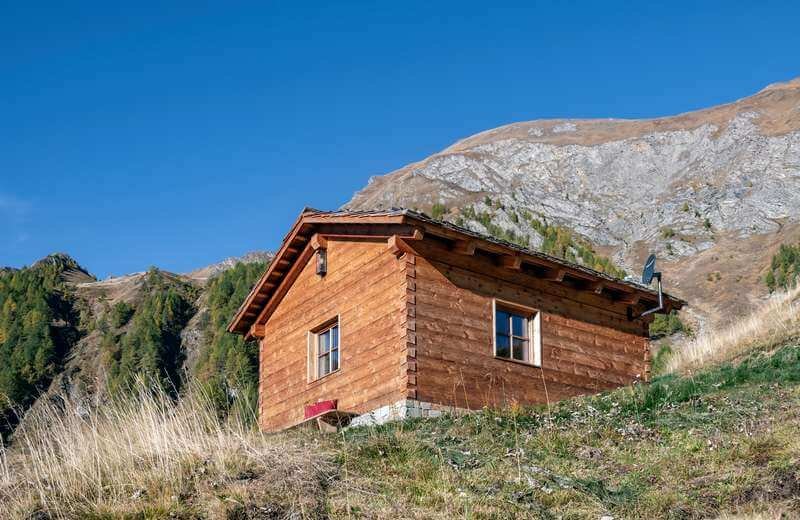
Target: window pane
{"type": "Point", "coordinates": [520, 349]}
{"type": "Point", "coordinates": [520, 325]}
{"type": "Point", "coordinates": [334, 336]}
{"type": "Point", "coordinates": [503, 346]}
{"type": "Point", "coordinates": [501, 323]}
{"type": "Point", "coordinates": [324, 342]}
{"type": "Point", "coordinates": [334, 360]}
{"type": "Point", "coordinates": [324, 365]}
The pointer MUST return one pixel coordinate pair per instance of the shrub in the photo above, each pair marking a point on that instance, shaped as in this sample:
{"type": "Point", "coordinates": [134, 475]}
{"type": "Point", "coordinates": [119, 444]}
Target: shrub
{"type": "Point", "coordinates": [666, 325]}
{"type": "Point", "coordinates": [661, 359]}
{"type": "Point", "coordinates": [784, 270]}
{"type": "Point", "coordinates": [438, 210]}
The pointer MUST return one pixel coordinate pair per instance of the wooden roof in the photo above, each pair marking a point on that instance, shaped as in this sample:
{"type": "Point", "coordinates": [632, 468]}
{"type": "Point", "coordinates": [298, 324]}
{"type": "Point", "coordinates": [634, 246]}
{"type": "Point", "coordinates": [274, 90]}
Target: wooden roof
{"type": "Point", "coordinates": [296, 249]}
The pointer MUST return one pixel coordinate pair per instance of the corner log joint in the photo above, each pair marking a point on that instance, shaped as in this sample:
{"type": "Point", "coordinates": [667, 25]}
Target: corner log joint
{"type": "Point", "coordinates": [398, 244]}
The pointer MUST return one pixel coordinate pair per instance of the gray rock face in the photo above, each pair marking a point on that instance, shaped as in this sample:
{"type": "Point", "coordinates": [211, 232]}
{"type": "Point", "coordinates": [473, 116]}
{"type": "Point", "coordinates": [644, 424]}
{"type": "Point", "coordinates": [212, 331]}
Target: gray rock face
{"type": "Point", "coordinates": [671, 185]}
{"type": "Point", "coordinates": [619, 192]}
{"type": "Point", "coordinates": [203, 274]}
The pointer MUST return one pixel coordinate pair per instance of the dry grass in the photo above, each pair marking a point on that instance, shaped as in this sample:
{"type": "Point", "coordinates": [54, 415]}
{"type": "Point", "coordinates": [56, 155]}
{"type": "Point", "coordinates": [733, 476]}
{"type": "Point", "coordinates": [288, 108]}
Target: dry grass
{"type": "Point", "coordinates": [776, 321]}
{"type": "Point", "coordinates": [763, 512]}
{"type": "Point", "coordinates": [150, 457]}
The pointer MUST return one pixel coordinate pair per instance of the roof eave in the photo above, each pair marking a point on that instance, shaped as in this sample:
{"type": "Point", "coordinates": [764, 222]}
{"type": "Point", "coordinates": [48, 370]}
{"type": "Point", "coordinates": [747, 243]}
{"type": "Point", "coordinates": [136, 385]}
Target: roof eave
{"type": "Point", "coordinates": [311, 217]}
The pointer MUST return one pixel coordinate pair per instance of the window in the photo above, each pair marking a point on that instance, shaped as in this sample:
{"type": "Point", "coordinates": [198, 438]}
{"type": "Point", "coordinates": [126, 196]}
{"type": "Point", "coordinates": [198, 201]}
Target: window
{"type": "Point", "coordinates": [323, 350]}
{"type": "Point", "coordinates": [517, 334]}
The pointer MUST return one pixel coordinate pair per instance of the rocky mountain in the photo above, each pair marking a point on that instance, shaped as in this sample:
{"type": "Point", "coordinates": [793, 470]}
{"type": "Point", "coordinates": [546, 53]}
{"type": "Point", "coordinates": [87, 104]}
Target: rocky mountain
{"type": "Point", "coordinates": [204, 273]}
{"type": "Point", "coordinates": [712, 192]}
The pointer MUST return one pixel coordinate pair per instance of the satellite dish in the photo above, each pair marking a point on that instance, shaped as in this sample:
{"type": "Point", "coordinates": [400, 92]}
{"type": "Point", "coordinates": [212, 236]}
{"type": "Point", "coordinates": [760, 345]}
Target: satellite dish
{"type": "Point", "coordinates": [649, 270]}
{"type": "Point", "coordinates": [648, 273]}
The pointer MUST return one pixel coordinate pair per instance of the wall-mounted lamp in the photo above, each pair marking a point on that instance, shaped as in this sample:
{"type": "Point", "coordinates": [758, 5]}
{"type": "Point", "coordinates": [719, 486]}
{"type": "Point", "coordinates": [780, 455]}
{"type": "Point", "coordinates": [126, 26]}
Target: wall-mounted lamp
{"type": "Point", "coordinates": [322, 261]}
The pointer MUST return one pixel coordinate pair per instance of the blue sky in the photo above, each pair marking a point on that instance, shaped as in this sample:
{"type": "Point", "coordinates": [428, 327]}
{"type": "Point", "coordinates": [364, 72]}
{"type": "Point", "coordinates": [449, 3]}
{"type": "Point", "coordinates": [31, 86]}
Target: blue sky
{"type": "Point", "coordinates": [176, 136]}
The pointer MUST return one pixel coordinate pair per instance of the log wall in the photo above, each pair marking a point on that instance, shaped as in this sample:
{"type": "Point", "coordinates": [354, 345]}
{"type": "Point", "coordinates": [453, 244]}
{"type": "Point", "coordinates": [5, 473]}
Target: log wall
{"type": "Point", "coordinates": [366, 286]}
{"type": "Point", "coordinates": [588, 343]}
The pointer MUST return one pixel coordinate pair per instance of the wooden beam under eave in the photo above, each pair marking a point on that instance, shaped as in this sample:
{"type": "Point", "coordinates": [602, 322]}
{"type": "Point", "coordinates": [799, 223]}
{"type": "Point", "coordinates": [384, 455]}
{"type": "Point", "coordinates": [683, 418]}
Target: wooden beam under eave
{"type": "Point", "coordinates": [555, 275]}
{"type": "Point", "coordinates": [257, 330]}
{"type": "Point", "coordinates": [398, 245]}
{"type": "Point", "coordinates": [596, 287]}
{"type": "Point", "coordinates": [629, 299]}
{"type": "Point", "coordinates": [513, 262]}
{"type": "Point", "coordinates": [318, 242]}
{"type": "Point", "coordinates": [464, 247]}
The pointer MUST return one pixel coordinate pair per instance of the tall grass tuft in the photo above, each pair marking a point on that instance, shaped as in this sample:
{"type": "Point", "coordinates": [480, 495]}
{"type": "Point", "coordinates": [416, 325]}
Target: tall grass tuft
{"type": "Point", "coordinates": [776, 321]}
{"type": "Point", "coordinates": [152, 456]}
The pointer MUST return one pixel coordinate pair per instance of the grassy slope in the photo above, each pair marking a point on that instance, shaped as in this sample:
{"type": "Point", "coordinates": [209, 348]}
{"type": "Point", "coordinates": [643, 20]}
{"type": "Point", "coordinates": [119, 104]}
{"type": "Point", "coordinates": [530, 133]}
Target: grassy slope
{"type": "Point", "coordinates": [717, 441]}
{"type": "Point", "coordinates": [721, 441]}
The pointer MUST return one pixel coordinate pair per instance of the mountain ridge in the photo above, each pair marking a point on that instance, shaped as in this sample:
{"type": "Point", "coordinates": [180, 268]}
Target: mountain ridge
{"type": "Point", "coordinates": [721, 179]}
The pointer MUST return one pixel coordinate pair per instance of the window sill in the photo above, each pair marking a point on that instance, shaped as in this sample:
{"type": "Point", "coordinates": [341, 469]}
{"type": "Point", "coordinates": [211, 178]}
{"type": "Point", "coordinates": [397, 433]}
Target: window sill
{"type": "Point", "coordinates": [314, 381]}
{"type": "Point", "coordinates": [517, 362]}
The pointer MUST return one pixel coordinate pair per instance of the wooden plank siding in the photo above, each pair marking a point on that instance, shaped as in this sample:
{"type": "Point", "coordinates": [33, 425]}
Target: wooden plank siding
{"type": "Point", "coordinates": [588, 343]}
{"type": "Point", "coordinates": [366, 287]}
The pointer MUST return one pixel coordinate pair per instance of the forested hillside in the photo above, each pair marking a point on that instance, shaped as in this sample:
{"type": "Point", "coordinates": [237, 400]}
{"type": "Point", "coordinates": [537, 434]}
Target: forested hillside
{"type": "Point", "coordinates": [37, 326]}
{"type": "Point", "coordinates": [228, 365]}
{"type": "Point", "coordinates": [68, 337]}
{"type": "Point", "coordinates": [150, 347]}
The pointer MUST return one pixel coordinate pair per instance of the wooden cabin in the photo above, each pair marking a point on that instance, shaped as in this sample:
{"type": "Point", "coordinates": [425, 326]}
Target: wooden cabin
{"type": "Point", "coordinates": [382, 315]}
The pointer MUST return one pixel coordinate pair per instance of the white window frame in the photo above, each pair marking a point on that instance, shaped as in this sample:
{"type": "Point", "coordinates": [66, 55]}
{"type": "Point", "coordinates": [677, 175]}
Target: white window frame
{"type": "Point", "coordinates": [534, 317]}
{"type": "Point", "coordinates": [313, 348]}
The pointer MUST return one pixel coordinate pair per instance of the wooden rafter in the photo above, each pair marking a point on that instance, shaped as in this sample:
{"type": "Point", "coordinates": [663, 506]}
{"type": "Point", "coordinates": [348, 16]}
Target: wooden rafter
{"type": "Point", "coordinates": [596, 287]}
{"type": "Point", "coordinates": [287, 282]}
{"type": "Point", "coordinates": [629, 299]}
{"type": "Point", "coordinates": [555, 275]}
{"type": "Point", "coordinates": [464, 247]}
{"type": "Point", "coordinates": [398, 244]}
{"type": "Point", "coordinates": [318, 242]}
{"type": "Point", "coordinates": [513, 262]}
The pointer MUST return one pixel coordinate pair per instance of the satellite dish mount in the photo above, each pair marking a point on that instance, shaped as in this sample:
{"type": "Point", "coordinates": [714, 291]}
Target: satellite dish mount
{"type": "Point", "coordinates": [648, 273]}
